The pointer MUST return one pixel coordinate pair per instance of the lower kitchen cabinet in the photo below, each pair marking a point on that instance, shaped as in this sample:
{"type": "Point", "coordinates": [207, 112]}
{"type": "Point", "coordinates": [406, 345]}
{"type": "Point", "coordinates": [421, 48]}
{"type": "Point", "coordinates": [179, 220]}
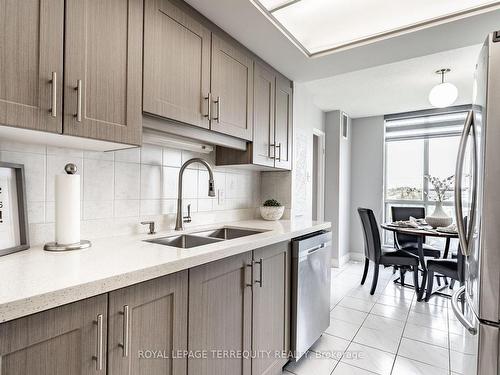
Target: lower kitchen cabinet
{"type": "Point", "coordinates": [233, 310]}
{"type": "Point", "coordinates": [148, 327]}
{"type": "Point", "coordinates": [271, 308]}
{"type": "Point", "coordinates": [68, 340]}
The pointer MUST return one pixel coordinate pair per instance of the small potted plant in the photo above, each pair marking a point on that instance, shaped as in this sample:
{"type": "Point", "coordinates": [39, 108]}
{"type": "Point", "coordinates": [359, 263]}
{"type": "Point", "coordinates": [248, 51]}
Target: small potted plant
{"type": "Point", "coordinates": [443, 188]}
{"type": "Point", "coordinates": [272, 210]}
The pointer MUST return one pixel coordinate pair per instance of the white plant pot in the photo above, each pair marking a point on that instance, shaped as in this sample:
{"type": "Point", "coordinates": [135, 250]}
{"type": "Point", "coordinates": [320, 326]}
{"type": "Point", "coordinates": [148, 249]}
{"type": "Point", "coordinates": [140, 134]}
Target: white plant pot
{"type": "Point", "coordinates": [439, 218]}
{"type": "Point", "coordinates": [272, 213]}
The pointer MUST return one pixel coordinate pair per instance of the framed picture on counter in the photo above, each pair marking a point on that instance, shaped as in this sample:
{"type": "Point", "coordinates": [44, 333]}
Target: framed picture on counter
{"type": "Point", "coordinates": [13, 209]}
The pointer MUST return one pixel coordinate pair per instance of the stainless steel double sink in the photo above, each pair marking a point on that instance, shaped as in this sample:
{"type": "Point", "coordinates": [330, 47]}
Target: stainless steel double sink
{"type": "Point", "coordinates": [186, 241]}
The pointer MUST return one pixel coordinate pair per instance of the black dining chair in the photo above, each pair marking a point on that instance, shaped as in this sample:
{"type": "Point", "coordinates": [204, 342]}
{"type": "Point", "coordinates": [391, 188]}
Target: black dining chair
{"type": "Point", "coordinates": [408, 242]}
{"type": "Point", "coordinates": [383, 256]}
{"type": "Point", "coordinates": [453, 268]}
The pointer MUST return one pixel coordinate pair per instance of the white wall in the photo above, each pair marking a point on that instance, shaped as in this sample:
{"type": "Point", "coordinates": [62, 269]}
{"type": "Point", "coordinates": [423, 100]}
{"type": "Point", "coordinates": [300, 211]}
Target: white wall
{"type": "Point", "coordinates": [338, 185]}
{"type": "Point", "coordinates": [367, 175]}
{"type": "Point", "coordinates": [306, 117]}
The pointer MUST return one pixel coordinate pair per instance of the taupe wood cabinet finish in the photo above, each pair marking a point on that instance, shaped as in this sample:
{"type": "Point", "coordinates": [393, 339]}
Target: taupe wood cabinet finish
{"type": "Point", "coordinates": [271, 308]}
{"type": "Point", "coordinates": [220, 315]}
{"type": "Point", "coordinates": [263, 138]}
{"type": "Point", "coordinates": [242, 304]}
{"type": "Point", "coordinates": [273, 125]}
{"type": "Point", "coordinates": [103, 70]}
{"type": "Point", "coordinates": [193, 75]}
{"type": "Point", "coordinates": [31, 53]}
{"type": "Point", "coordinates": [149, 316]}
{"type": "Point", "coordinates": [232, 88]}
{"type": "Point", "coordinates": [283, 127]}
{"type": "Point", "coordinates": [176, 64]}
{"type": "Point", "coordinates": [63, 340]}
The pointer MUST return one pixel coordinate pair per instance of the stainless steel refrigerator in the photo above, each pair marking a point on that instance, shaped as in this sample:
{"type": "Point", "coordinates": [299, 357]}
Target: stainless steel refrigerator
{"type": "Point", "coordinates": [476, 304]}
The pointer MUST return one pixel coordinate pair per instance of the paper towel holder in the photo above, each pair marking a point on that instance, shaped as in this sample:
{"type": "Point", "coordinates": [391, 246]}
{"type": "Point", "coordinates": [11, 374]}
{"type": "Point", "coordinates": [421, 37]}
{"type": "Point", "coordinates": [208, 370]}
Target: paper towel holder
{"type": "Point", "coordinates": [70, 168]}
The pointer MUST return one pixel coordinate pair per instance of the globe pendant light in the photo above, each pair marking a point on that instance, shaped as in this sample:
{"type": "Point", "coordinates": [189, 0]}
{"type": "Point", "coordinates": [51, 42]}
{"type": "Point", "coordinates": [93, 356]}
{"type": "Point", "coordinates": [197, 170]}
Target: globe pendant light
{"type": "Point", "coordinates": [444, 94]}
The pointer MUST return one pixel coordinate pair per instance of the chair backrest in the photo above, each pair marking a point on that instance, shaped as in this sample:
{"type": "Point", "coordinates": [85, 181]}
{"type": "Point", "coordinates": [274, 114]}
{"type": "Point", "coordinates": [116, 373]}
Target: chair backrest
{"type": "Point", "coordinates": [404, 213]}
{"type": "Point", "coordinates": [371, 234]}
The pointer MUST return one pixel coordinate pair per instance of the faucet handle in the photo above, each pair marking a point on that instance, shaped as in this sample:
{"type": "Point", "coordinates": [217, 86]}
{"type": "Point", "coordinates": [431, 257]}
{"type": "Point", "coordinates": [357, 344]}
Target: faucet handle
{"type": "Point", "coordinates": [187, 219]}
{"type": "Point", "coordinates": [151, 226]}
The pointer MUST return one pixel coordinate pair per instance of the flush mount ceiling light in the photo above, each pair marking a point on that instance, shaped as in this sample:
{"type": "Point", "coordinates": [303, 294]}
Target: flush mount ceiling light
{"type": "Point", "coordinates": [444, 94]}
{"type": "Point", "coordinates": [318, 27]}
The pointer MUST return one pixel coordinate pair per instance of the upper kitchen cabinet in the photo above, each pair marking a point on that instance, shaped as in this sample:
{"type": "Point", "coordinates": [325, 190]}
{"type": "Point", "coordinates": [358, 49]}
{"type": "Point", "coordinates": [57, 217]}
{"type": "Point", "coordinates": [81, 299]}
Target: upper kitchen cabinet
{"type": "Point", "coordinates": [103, 70]}
{"type": "Point", "coordinates": [272, 124]}
{"type": "Point", "coordinates": [232, 89]}
{"type": "Point", "coordinates": [176, 64]}
{"type": "Point", "coordinates": [31, 64]}
{"type": "Point", "coordinates": [283, 124]}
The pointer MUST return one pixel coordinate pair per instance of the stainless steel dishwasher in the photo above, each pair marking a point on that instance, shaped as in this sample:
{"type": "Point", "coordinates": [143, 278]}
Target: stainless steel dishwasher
{"type": "Point", "coordinates": [311, 257]}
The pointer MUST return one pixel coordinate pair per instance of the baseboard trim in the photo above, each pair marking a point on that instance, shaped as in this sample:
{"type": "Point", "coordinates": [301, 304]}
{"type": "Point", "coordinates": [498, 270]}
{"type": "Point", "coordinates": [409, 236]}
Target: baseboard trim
{"type": "Point", "coordinates": [358, 257]}
{"type": "Point", "coordinates": [345, 259]}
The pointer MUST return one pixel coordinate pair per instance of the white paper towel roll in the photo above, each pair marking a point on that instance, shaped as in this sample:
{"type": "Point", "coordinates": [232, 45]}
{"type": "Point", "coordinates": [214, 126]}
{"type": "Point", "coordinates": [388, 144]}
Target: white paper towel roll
{"type": "Point", "coordinates": [67, 192]}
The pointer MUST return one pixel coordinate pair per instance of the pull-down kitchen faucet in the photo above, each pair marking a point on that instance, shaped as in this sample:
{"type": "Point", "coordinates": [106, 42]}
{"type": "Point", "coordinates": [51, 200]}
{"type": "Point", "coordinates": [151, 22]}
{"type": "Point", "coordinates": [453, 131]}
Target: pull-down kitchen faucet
{"type": "Point", "coordinates": [179, 224]}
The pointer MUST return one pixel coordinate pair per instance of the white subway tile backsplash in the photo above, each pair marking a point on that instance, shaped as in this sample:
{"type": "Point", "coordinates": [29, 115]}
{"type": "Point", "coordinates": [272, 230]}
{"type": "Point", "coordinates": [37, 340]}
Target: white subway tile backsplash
{"type": "Point", "coordinates": [122, 188]}
{"type": "Point", "coordinates": [151, 155]}
{"type": "Point", "coordinates": [172, 157]}
{"type": "Point", "coordinates": [151, 181]}
{"type": "Point", "coordinates": [34, 168]}
{"type": "Point", "coordinates": [98, 180]}
{"type": "Point", "coordinates": [127, 181]}
{"type": "Point", "coordinates": [130, 155]}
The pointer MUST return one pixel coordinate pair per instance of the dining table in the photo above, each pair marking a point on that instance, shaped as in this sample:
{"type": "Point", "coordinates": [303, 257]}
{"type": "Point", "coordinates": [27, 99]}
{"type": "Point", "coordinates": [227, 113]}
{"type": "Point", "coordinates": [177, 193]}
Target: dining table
{"type": "Point", "coordinates": [420, 234]}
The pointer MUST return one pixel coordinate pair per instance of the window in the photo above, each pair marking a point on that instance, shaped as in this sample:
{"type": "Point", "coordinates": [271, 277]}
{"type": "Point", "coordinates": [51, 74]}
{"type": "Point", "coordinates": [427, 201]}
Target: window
{"type": "Point", "coordinates": [417, 146]}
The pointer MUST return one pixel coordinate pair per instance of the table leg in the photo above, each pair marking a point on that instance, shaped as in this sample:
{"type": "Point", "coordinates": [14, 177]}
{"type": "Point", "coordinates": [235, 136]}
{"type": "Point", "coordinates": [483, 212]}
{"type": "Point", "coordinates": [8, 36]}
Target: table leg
{"type": "Point", "coordinates": [446, 248]}
{"type": "Point", "coordinates": [421, 291]}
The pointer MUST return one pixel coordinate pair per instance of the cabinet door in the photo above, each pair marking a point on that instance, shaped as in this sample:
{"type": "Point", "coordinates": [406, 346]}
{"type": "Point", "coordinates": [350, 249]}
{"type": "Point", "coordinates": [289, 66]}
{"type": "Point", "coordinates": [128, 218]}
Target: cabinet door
{"type": "Point", "coordinates": [232, 89]}
{"type": "Point", "coordinates": [220, 316]}
{"type": "Point", "coordinates": [31, 52]}
{"type": "Point", "coordinates": [70, 339]}
{"type": "Point", "coordinates": [271, 308]}
{"type": "Point", "coordinates": [103, 70]}
{"type": "Point", "coordinates": [146, 318]}
{"type": "Point", "coordinates": [284, 125]}
{"type": "Point", "coordinates": [176, 64]}
{"type": "Point", "coordinates": [263, 129]}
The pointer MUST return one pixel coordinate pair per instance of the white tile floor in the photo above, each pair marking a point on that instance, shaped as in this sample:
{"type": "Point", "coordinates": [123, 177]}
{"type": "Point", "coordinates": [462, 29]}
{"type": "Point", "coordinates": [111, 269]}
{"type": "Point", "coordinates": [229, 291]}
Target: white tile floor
{"type": "Point", "coordinates": [387, 333]}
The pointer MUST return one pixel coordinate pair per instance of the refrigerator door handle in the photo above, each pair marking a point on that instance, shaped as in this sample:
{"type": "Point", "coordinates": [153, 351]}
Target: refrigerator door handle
{"type": "Point", "coordinates": [462, 231]}
{"type": "Point", "coordinates": [460, 316]}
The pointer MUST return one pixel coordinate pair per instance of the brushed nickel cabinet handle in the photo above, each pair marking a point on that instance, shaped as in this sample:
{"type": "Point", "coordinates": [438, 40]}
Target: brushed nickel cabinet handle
{"type": "Point", "coordinates": [279, 153]}
{"type": "Point", "coordinates": [100, 343]}
{"type": "Point", "coordinates": [126, 330]}
{"type": "Point", "coordinates": [218, 102]}
{"type": "Point", "coordinates": [53, 96]}
{"type": "Point", "coordinates": [251, 273]}
{"type": "Point", "coordinates": [261, 271]}
{"type": "Point", "coordinates": [274, 151]}
{"type": "Point", "coordinates": [78, 89]}
{"type": "Point", "coordinates": [209, 104]}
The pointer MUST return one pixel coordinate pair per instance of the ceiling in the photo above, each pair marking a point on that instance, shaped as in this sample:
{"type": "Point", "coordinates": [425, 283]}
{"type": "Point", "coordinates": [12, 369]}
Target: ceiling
{"type": "Point", "coordinates": [386, 76]}
{"type": "Point", "coordinates": [249, 25]}
{"type": "Point", "coordinates": [325, 26]}
{"type": "Point", "coordinates": [398, 87]}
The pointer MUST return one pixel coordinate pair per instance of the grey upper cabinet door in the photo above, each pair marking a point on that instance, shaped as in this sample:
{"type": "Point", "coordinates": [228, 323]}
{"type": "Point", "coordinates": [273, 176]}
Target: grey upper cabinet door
{"type": "Point", "coordinates": [103, 70]}
{"type": "Point", "coordinates": [31, 55]}
{"type": "Point", "coordinates": [283, 127]}
{"type": "Point", "coordinates": [271, 308]}
{"type": "Point", "coordinates": [232, 89]}
{"type": "Point", "coordinates": [69, 340]}
{"type": "Point", "coordinates": [263, 130]}
{"type": "Point", "coordinates": [176, 64]}
{"type": "Point", "coordinates": [220, 315]}
{"type": "Point", "coordinates": [149, 316]}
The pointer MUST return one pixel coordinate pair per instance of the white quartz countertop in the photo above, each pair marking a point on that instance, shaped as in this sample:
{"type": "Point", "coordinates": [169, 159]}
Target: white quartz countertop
{"type": "Point", "coordinates": [35, 280]}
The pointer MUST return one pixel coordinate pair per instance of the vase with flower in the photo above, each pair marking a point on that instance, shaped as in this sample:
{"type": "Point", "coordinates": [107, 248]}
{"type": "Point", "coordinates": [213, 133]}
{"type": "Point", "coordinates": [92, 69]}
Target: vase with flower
{"type": "Point", "coordinates": [443, 187]}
